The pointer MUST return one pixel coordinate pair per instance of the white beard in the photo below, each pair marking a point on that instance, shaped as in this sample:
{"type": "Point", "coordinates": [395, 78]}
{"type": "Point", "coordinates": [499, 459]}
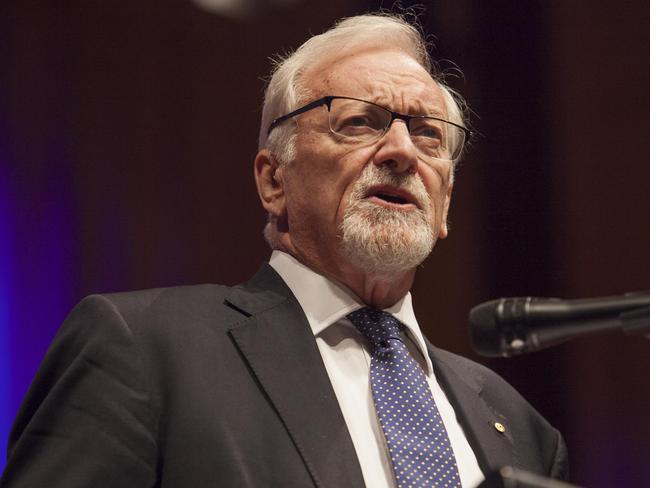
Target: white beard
{"type": "Point", "coordinates": [385, 241]}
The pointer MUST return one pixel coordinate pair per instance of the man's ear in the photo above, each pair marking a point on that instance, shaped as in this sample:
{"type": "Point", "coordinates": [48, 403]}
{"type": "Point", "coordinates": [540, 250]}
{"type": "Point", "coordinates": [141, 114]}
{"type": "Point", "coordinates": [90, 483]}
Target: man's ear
{"type": "Point", "coordinates": [270, 184]}
{"type": "Point", "coordinates": [444, 229]}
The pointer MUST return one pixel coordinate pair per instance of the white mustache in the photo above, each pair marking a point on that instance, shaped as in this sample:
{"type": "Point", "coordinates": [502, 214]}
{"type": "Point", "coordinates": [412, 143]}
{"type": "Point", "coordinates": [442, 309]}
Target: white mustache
{"type": "Point", "coordinates": [373, 176]}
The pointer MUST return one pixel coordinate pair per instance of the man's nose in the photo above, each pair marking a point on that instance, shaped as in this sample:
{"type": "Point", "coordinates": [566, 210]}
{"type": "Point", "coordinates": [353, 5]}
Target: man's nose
{"type": "Point", "coordinates": [397, 150]}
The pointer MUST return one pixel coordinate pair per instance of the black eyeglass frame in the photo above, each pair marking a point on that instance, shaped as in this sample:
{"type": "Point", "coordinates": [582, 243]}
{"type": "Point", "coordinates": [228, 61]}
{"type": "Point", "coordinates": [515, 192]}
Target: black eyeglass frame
{"type": "Point", "coordinates": [327, 100]}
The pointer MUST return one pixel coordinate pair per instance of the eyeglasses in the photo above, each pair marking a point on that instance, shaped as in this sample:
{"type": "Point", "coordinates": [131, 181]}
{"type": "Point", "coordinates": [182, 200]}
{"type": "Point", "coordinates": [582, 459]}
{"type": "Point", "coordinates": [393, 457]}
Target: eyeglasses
{"type": "Point", "coordinates": [360, 121]}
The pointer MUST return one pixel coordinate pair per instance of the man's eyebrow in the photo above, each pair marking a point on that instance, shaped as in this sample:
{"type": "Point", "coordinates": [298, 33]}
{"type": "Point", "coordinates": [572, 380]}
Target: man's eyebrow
{"type": "Point", "coordinates": [430, 111]}
{"type": "Point", "coordinates": [435, 112]}
{"type": "Point", "coordinates": [416, 108]}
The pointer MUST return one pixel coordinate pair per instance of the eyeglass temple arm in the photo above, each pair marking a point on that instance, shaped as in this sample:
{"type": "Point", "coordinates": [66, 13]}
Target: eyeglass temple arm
{"type": "Point", "coordinates": [316, 103]}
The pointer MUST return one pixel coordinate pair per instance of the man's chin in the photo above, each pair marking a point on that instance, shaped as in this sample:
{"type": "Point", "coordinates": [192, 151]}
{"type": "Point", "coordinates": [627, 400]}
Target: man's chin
{"type": "Point", "coordinates": [388, 250]}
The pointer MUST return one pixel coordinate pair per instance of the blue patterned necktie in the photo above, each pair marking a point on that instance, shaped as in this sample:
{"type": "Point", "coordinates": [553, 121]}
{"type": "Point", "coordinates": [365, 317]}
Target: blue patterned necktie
{"type": "Point", "coordinates": [417, 440]}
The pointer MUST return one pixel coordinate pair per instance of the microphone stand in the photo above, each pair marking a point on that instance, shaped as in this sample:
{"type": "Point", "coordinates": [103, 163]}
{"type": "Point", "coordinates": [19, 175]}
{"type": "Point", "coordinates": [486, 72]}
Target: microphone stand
{"type": "Point", "coordinates": [509, 477]}
{"type": "Point", "coordinates": [637, 322]}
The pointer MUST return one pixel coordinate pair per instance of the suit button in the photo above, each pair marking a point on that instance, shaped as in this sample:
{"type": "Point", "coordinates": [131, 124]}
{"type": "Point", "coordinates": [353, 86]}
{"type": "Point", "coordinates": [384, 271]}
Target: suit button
{"type": "Point", "coordinates": [499, 427]}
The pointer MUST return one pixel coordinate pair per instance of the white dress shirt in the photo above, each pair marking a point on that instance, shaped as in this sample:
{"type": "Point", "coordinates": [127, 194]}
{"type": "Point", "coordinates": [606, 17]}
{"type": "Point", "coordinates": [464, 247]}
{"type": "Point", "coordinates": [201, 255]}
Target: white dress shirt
{"type": "Point", "coordinates": [346, 355]}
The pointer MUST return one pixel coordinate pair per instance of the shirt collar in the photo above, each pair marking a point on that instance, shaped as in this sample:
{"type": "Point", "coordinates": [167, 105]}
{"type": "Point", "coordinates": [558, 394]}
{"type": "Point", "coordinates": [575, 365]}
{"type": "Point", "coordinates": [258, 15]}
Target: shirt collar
{"type": "Point", "coordinates": [324, 301]}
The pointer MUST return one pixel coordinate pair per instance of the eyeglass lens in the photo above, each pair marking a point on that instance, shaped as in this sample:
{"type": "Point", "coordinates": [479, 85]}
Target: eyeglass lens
{"type": "Point", "coordinates": [365, 122]}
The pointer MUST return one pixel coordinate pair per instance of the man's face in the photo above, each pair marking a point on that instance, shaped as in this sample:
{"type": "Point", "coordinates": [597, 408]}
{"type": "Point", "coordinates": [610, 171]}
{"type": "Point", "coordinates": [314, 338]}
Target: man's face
{"type": "Point", "coordinates": [377, 207]}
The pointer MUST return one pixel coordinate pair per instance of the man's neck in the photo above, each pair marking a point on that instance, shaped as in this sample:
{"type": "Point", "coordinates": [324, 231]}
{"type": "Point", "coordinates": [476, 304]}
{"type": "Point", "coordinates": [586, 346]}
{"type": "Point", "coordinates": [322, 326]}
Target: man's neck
{"type": "Point", "coordinates": [377, 290]}
{"type": "Point", "coordinates": [374, 289]}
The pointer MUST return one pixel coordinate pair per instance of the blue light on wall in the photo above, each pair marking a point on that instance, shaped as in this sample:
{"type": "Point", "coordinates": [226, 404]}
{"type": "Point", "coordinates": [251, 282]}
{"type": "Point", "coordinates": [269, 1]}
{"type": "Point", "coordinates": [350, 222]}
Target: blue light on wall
{"type": "Point", "coordinates": [5, 311]}
{"type": "Point", "coordinates": [38, 267]}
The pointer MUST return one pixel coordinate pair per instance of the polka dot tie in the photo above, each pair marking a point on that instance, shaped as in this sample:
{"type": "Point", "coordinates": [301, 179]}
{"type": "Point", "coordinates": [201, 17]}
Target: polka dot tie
{"type": "Point", "coordinates": [417, 440]}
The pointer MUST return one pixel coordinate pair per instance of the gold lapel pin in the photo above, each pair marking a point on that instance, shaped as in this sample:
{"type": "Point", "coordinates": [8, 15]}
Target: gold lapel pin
{"type": "Point", "coordinates": [499, 427]}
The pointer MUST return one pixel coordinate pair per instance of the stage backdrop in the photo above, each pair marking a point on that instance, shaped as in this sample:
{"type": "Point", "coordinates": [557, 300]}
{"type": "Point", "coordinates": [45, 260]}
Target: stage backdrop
{"type": "Point", "coordinates": [128, 129]}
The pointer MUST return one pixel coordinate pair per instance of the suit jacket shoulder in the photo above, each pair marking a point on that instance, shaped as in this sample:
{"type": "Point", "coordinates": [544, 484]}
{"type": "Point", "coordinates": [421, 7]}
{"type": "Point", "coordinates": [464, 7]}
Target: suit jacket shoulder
{"type": "Point", "coordinates": [189, 386]}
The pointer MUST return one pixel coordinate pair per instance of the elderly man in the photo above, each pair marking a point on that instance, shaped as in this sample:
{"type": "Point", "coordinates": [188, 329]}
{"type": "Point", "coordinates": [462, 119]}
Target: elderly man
{"type": "Point", "coordinates": [314, 372]}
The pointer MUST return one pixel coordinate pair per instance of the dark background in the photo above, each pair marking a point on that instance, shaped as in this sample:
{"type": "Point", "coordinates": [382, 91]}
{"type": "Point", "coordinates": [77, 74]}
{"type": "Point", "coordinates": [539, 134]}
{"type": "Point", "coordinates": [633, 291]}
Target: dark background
{"type": "Point", "coordinates": [128, 129]}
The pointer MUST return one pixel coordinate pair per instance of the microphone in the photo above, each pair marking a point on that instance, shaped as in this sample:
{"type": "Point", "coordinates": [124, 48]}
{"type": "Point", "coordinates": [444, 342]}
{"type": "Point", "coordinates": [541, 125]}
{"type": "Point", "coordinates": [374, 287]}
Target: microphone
{"type": "Point", "coordinates": [509, 477]}
{"type": "Point", "coordinates": [511, 326]}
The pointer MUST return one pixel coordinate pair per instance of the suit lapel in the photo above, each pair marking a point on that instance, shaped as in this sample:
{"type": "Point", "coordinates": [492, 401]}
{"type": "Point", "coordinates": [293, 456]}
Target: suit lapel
{"type": "Point", "coordinates": [493, 449]}
{"type": "Point", "coordinates": [278, 345]}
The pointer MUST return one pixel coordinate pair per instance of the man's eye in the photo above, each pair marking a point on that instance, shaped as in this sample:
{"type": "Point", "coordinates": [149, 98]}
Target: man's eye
{"type": "Point", "coordinates": [357, 125]}
{"type": "Point", "coordinates": [429, 132]}
{"type": "Point", "coordinates": [357, 121]}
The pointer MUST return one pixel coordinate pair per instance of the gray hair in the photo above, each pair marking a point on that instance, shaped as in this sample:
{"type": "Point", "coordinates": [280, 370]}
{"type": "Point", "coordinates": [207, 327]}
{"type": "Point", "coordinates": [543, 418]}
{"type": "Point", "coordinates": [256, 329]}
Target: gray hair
{"type": "Point", "coordinates": [285, 92]}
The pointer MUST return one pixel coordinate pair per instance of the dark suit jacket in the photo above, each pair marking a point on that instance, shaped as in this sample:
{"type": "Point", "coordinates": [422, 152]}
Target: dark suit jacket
{"type": "Point", "coordinates": [210, 386]}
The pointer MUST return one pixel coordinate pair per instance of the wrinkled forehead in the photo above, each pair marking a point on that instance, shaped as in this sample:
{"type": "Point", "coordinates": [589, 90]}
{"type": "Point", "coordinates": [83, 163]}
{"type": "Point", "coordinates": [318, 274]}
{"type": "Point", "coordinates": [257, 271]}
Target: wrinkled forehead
{"type": "Point", "coordinates": [388, 77]}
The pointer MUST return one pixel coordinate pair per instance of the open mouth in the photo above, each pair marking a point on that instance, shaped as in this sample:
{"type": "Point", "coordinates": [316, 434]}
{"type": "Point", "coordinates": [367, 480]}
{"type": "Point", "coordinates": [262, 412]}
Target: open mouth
{"type": "Point", "coordinates": [393, 197]}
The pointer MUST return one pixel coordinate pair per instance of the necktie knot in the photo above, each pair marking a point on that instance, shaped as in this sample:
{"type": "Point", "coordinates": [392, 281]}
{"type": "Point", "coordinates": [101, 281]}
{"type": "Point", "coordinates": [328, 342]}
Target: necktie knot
{"type": "Point", "coordinates": [376, 325]}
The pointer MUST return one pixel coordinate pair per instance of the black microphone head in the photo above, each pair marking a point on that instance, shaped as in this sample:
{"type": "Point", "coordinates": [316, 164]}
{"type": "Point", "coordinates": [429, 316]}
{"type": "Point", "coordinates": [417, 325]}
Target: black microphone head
{"type": "Point", "coordinates": [484, 330]}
